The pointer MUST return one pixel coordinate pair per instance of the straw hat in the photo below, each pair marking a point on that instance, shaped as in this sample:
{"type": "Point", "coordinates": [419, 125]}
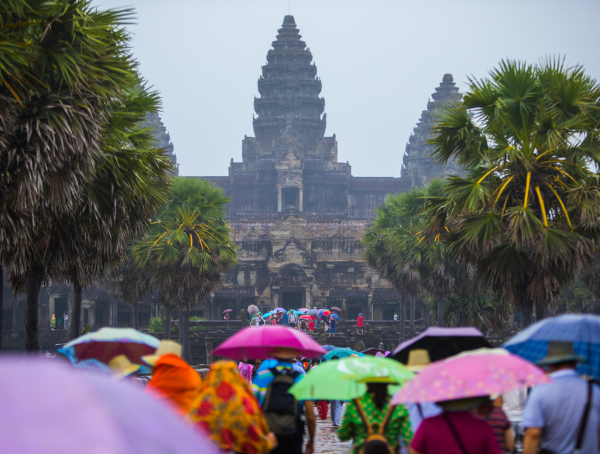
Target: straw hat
{"type": "Point", "coordinates": [418, 360]}
{"type": "Point", "coordinates": [166, 347]}
{"type": "Point", "coordinates": [121, 367]}
{"type": "Point", "coordinates": [284, 353]}
{"type": "Point", "coordinates": [560, 352]}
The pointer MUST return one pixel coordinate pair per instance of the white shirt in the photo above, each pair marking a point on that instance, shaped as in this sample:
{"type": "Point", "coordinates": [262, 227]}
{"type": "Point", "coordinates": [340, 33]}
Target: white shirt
{"type": "Point", "coordinates": [513, 404]}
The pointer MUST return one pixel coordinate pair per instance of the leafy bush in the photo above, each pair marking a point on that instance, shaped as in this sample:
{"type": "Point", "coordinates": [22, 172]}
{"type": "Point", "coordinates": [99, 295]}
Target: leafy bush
{"type": "Point", "coordinates": [156, 325]}
{"type": "Point", "coordinates": [197, 328]}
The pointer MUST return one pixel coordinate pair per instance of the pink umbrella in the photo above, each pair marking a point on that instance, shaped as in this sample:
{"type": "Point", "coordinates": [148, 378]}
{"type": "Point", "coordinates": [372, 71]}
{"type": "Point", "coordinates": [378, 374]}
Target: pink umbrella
{"type": "Point", "coordinates": [228, 310]}
{"type": "Point", "coordinates": [303, 309]}
{"type": "Point", "coordinates": [70, 412]}
{"type": "Point", "coordinates": [252, 343]}
{"type": "Point", "coordinates": [335, 308]}
{"type": "Point", "coordinates": [476, 373]}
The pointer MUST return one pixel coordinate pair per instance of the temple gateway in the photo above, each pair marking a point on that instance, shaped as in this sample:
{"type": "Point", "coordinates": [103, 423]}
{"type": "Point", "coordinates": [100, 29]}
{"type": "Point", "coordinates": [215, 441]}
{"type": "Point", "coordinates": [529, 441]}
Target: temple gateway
{"type": "Point", "coordinates": [297, 213]}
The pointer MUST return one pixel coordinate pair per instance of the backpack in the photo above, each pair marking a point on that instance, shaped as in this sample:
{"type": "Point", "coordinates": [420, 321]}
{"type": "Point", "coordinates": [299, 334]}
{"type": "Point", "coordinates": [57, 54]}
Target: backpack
{"type": "Point", "coordinates": [281, 409]}
{"type": "Point", "coordinates": [376, 441]}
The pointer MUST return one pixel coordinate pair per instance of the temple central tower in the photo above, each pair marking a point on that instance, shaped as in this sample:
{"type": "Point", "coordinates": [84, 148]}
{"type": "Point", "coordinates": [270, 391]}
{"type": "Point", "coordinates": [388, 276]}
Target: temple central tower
{"type": "Point", "coordinates": [289, 91]}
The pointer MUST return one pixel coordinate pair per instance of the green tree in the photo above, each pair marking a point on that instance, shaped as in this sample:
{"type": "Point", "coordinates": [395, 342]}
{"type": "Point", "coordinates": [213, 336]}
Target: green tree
{"type": "Point", "coordinates": [189, 250]}
{"type": "Point", "coordinates": [526, 214]}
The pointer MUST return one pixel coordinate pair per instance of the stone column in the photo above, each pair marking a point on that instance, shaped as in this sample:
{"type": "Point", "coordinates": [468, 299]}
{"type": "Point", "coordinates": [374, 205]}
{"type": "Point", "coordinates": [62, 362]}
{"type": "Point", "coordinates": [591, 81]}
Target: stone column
{"type": "Point", "coordinates": [370, 305]}
{"type": "Point", "coordinates": [274, 297]}
{"type": "Point", "coordinates": [278, 198]}
{"type": "Point", "coordinates": [300, 198]}
{"type": "Point", "coordinates": [308, 298]}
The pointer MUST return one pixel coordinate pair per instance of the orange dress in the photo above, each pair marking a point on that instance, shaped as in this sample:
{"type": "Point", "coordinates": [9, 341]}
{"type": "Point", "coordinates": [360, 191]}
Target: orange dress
{"type": "Point", "coordinates": [227, 410]}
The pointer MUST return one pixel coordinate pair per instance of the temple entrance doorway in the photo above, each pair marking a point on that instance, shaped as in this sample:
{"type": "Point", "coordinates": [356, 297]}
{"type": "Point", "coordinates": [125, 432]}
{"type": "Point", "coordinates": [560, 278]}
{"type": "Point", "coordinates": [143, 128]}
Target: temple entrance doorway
{"type": "Point", "coordinates": [291, 197]}
{"type": "Point", "coordinates": [291, 300]}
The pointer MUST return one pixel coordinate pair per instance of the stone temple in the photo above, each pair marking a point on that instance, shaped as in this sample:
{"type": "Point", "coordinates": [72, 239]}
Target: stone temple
{"type": "Point", "coordinates": [296, 213]}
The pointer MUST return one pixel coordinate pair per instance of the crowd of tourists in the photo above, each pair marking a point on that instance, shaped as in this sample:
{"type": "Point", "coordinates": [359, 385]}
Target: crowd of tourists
{"type": "Point", "coordinates": [303, 320]}
{"type": "Point", "coordinates": [269, 395]}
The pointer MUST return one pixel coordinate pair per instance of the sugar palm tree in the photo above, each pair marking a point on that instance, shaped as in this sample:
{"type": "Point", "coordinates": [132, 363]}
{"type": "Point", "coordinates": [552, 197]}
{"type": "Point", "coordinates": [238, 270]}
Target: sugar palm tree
{"type": "Point", "coordinates": [190, 248]}
{"type": "Point", "coordinates": [527, 213]}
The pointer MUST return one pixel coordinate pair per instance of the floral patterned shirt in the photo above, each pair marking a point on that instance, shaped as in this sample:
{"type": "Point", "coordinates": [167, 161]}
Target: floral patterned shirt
{"type": "Point", "coordinates": [353, 427]}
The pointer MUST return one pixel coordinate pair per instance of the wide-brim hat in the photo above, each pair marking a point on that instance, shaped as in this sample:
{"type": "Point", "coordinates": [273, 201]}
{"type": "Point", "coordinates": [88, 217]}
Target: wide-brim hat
{"type": "Point", "coordinates": [121, 367]}
{"type": "Point", "coordinates": [463, 404]}
{"type": "Point", "coordinates": [418, 360]}
{"type": "Point", "coordinates": [560, 352]}
{"type": "Point", "coordinates": [165, 347]}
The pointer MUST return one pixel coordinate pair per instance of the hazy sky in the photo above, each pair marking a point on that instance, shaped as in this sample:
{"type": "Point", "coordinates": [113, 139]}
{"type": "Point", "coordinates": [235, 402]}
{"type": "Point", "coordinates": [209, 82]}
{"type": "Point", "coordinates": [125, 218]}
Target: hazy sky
{"type": "Point", "coordinates": [379, 62]}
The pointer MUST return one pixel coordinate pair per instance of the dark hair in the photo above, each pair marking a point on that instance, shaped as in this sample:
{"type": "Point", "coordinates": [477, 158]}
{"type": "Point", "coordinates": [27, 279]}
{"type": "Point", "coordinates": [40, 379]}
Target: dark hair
{"type": "Point", "coordinates": [379, 392]}
{"type": "Point", "coordinates": [315, 360]}
{"type": "Point", "coordinates": [334, 357]}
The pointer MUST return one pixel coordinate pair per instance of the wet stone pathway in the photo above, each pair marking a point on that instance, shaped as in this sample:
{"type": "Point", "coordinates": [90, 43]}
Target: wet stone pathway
{"type": "Point", "coordinates": [326, 440]}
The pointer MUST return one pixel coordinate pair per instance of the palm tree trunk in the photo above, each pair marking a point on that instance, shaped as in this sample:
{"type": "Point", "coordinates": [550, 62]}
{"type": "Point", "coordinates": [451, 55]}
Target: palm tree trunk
{"type": "Point", "coordinates": [168, 324]}
{"type": "Point", "coordinates": [180, 328]}
{"type": "Point", "coordinates": [135, 315]}
{"type": "Point", "coordinates": [463, 315]}
{"type": "Point", "coordinates": [440, 308]}
{"type": "Point", "coordinates": [76, 316]}
{"type": "Point", "coordinates": [412, 316]}
{"type": "Point", "coordinates": [32, 334]}
{"type": "Point", "coordinates": [187, 350]}
{"type": "Point", "coordinates": [526, 312]}
{"type": "Point", "coordinates": [402, 318]}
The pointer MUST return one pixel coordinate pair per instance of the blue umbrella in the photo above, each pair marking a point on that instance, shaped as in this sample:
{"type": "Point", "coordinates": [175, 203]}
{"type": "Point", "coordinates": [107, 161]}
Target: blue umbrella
{"type": "Point", "coordinates": [313, 311]}
{"type": "Point", "coordinates": [270, 363]}
{"type": "Point", "coordinates": [279, 309]}
{"type": "Point", "coordinates": [341, 353]}
{"type": "Point", "coordinates": [267, 314]}
{"type": "Point", "coordinates": [335, 316]}
{"type": "Point", "coordinates": [329, 347]}
{"type": "Point", "coordinates": [582, 330]}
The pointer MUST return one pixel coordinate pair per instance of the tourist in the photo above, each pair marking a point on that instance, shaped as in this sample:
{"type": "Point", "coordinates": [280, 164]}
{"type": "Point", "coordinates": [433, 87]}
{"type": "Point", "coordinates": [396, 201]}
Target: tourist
{"type": "Point", "coordinates": [455, 431]}
{"type": "Point", "coordinates": [121, 367]}
{"type": "Point", "coordinates": [336, 406]}
{"type": "Point", "coordinates": [273, 319]}
{"type": "Point", "coordinates": [173, 380]}
{"type": "Point", "coordinates": [360, 324]}
{"type": "Point", "coordinates": [66, 319]}
{"type": "Point", "coordinates": [226, 410]}
{"type": "Point", "coordinates": [246, 371]}
{"type": "Point", "coordinates": [286, 376]}
{"type": "Point", "coordinates": [332, 324]}
{"type": "Point", "coordinates": [311, 325]}
{"type": "Point", "coordinates": [59, 323]}
{"type": "Point", "coordinates": [372, 410]}
{"type": "Point", "coordinates": [513, 404]}
{"type": "Point", "coordinates": [418, 359]}
{"type": "Point", "coordinates": [284, 319]}
{"type": "Point", "coordinates": [395, 317]}
{"type": "Point", "coordinates": [499, 423]}
{"type": "Point", "coordinates": [226, 316]}
{"type": "Point", "coordinates": [291, 319]}
{"type": "Point", "coordinates": [53, 321]}
{"type": "Point", "coordinates": [555, 411]}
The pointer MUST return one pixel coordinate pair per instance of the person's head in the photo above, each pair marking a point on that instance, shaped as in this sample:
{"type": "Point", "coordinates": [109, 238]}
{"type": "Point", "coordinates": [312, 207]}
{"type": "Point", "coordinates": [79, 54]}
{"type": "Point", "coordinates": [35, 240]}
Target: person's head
{"type": "Point", "coordinates": [284, 353]}
{"type": "Point", "coordinates": [315, 361]}
{"type": "Point", "coordinates": [334, 358]}
{"type": "Point", "coordinates": [486, 407]}
{"type": "Point", "coordinates": [379, 392]}
{"type": "Point", "coordinates": [561, 355]}
{"type": "Point", "coordinates": [394, 313]}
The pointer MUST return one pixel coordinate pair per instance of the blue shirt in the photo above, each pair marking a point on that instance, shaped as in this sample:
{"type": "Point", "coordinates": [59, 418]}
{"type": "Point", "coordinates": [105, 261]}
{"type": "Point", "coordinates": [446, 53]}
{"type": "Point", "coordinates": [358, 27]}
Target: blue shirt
{"type": "Point", "coordinates": [557, 408]}
{"type": "Point", "coordinates": [428, 410]}
{"type": "Point", "coordinates": [284, 319]}
{"type": "Point", "coordinates": [264, 378]}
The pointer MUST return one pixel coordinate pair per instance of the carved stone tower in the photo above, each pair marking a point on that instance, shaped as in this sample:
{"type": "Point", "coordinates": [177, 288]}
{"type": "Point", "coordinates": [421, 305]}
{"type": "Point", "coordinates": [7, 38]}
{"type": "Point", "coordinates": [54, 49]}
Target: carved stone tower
{"type": "Point", "coordinates": [418, 166]}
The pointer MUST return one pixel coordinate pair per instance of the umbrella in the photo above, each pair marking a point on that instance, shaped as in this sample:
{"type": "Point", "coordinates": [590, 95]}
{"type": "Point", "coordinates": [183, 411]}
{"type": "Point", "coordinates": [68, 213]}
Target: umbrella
{"type": "Point", "coordinates": [278, 309]}
{"type": "Point", "coordinates": [95, 350]}
{"type": "Point", "coordinates": [313, 311]}
{"type": "Point", "coordinates": [582, 330]}
{"type": "Point", "coordinates": [251, 343]}
{"type": "Point", "coordinates": [70, 412]}
{"type": "Point", "coordinates": [328, 347]}
{"type": "Point", "coordinates": [345, 379]}
{"type": "Point", "coordinates": [373, 351]}
{"type": "Point", "coordinates": [342, 353]}
{"type": "Point", "coordinates": [253, 309]}
{"type": "Point", "coordinates": [335, 317]}
{"type": "Point", "coordinates": [303, 309]}
{"type": "Point", "coordinates": [441, 343]}
{"type": "Point", "coordinates": [270, 363]}
{"type": "Point", "coordinates": [228, 310]}
{"type": "Point", "coordinates": [267, 314]}
{"type": "Point", "coordinates": [324, 312]}
{"type": "Point", "coordinates": [308, 317]}
{"type": "Point", "coordinates": [482, 372]}
{"type": "Point", "coordinates": [336, 309]}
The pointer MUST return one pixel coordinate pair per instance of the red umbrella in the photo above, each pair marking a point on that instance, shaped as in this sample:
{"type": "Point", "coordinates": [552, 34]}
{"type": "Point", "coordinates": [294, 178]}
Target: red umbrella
{"type": "Point", "coordinates": [336, 309]}
{"type": "Point", "coordinates": [259, 343]}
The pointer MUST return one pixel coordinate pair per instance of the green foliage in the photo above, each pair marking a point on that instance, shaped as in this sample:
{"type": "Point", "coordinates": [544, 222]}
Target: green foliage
{"type": "Point", "coordinates": [197, 328]}
{"type": "Point", "coordinates": [527, 213]}
{"type": "Point", "coordinates": [156, 325]}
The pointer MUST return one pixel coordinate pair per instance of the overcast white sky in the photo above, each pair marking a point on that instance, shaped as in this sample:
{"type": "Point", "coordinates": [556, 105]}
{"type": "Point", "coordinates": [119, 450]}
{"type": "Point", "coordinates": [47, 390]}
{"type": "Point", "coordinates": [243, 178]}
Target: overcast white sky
{"type": "Point", "coordinates": [379, 61]}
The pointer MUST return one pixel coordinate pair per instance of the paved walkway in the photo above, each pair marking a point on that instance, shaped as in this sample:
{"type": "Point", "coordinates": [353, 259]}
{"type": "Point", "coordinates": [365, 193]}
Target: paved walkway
{"type": "Point", "coordinates": [326, 440]}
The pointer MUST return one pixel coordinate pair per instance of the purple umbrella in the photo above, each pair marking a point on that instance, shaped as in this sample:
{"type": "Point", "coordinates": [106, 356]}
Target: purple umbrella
{"type": "Point", "coordinates": [253, 343]}
{"type": "Point", "coordinates": [441, 343]}
{"type": "Point", "coordinates": [70, 412]}
{"type": "Point", "coordinates": [278, 309]}
{"type": "Point", "coordinates": [336, 309]}
{"type": "Point", "coordinates": [228, 310]}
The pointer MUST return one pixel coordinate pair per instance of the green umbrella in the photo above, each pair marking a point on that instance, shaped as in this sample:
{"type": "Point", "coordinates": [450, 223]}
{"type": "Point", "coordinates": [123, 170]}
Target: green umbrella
{"type": "Point", "coordinates": [345, 379]}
